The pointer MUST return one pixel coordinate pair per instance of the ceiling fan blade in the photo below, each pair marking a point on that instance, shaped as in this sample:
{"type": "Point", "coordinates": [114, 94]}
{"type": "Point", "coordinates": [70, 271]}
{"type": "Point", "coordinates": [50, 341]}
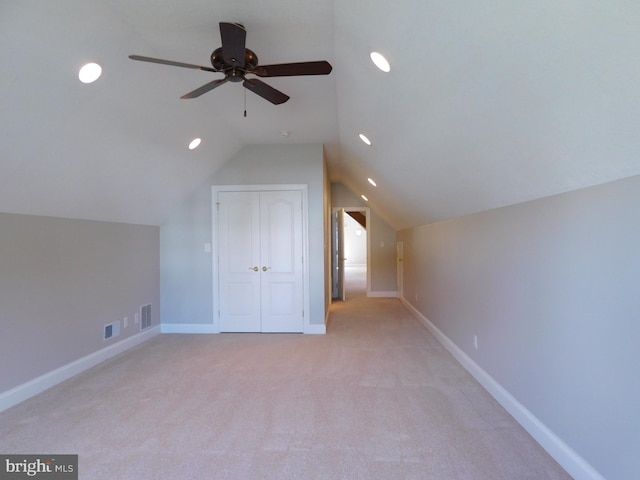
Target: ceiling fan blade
{"type": "Point", "coordinates": [204, 88]}
{"type": "Point", "coordinates": [171, 62]}
{"type": "Point", "coordinates": [293, 69]}
{"type": "Point", "coordinates": [265, 91]}
{"type": "Point", "coordinates": [233, 37]}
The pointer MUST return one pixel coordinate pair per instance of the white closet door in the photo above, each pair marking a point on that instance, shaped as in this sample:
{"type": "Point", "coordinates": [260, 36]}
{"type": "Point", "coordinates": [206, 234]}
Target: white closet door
{"type": "Point", "coordinates": [281, 261]}
{"type": "Point", "coordinates": [239, 261]}
{"type": "Point", "coordinates": [260, 264]}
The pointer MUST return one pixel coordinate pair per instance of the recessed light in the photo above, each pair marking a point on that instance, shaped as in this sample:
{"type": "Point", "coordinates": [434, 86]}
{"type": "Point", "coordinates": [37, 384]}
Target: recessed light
{"type": "Point", "coordinates": [380, 62]}
{"type": "Point", "coordinates": [365, 139]}
{"type": "Point", "coordinates": [372, 182]}
{"type": "Point", "coordinates": [194, 143]}
{"type": "Point", "coordinates": [364, 198]}
{"type": "Point", "coordinates": [90, 73]}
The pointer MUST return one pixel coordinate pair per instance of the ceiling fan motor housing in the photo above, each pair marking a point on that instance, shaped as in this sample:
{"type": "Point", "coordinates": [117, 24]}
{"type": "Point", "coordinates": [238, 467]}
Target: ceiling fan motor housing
{"type": "Point", "coordinates": [233, 73]}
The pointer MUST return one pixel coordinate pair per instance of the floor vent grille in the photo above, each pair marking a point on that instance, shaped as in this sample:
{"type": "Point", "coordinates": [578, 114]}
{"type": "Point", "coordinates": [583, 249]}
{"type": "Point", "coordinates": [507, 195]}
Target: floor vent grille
{"type": "Point", "coordinates": [145, 317]}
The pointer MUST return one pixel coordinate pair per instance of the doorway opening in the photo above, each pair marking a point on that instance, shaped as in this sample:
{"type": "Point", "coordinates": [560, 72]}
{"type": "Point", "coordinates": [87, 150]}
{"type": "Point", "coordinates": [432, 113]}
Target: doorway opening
{"type": "Point", "coordinates": [350, 258]}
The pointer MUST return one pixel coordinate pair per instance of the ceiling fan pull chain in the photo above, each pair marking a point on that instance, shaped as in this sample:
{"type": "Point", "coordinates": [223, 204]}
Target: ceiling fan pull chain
{"type": "Point", "coordinates": [245, 103]}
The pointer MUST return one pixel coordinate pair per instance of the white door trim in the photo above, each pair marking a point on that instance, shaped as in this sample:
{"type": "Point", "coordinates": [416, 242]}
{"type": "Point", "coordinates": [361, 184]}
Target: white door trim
{"type": "Point", "coordinates": [367, 213]}
{"type": "Point", "coordinates": [307, 327]}
{"type": "Point", "coordinates": [400, 267]}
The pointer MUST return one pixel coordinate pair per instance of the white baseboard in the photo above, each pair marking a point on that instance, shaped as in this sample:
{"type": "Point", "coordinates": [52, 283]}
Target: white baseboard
{"type": "Point", "coordinates": [208, 328]}
{"type": "Point", "coordinates": [315, 329]}
{"type": "Point", "coordinates": [573, 463]}
{"type": "Point", "coordinates": [43, 382]}
{"type": "Point", "coordinates": [188, 328]}
{"type": "Point", "coordinates": [393, 294]}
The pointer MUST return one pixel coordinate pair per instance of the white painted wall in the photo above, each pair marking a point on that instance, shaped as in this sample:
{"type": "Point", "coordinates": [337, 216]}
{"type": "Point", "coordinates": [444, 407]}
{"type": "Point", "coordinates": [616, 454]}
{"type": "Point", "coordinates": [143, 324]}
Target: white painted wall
{"type": "Point", "coordinates": [186, 269]}
{"type": "Point", "coordinates": [355, 246]}
{"type": "Point", "coordinates": [551, 289]}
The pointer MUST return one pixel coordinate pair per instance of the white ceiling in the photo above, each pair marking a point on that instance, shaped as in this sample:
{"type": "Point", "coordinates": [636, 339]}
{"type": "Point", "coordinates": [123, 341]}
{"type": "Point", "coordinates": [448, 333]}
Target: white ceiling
{"type": "Point", "coordinates": [487, 103]}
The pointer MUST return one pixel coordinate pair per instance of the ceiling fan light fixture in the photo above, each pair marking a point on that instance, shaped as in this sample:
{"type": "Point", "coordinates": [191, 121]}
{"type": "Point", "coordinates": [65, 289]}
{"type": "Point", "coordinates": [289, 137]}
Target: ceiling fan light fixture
{"type": "Point", "coordinates": [89, 73]}
{"type": "Point", "coordinates": [372, 182]}
{"type": "Point", "coordinates": [195, 143]}
{"type": "Point", "coordinates": [364, 138]}
{"type": "Point", "coordinates": [380, 62]}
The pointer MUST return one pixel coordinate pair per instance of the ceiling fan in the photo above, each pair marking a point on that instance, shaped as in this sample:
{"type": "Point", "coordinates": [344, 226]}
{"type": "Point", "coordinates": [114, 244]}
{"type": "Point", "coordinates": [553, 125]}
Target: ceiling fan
{"type": "Point", "coordinates": [236, 61]}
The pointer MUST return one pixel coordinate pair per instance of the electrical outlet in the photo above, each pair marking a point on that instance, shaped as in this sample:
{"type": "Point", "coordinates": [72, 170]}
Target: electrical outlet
{"type": "Point", "coordinates": [125, 322]}
{"type": "Point", "coordinates": [136, 318]}
{"type": "Point", "coordinates": [111, 330]}
{"type": "Point", "coordinates": [475, 341]}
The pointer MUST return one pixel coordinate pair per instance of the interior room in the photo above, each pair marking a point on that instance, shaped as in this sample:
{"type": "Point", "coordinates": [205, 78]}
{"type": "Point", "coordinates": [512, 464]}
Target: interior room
{"type": "Point", "coordinates": [170, 174]}
{"type": "Point", "coordinates": [355, 249]}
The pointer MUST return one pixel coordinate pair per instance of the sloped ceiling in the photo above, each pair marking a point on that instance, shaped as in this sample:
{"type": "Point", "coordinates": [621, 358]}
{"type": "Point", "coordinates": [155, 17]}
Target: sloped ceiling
{"type": "Point", "coordinates": [487, 103]}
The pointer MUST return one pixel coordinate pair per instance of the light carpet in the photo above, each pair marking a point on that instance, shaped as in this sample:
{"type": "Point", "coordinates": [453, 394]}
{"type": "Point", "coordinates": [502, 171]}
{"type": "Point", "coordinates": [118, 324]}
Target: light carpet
{"type": "Point", "coordinates": [377, 397]}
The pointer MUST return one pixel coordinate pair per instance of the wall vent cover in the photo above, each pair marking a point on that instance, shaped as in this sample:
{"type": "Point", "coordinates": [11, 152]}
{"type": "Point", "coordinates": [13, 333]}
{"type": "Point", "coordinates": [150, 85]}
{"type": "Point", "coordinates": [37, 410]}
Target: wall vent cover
{"type": "Point", "coordinates": [145, 316]}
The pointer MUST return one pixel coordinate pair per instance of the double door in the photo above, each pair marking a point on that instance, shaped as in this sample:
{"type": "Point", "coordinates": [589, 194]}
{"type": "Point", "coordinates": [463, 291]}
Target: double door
{"type": "Point", "coordinates": [260, 261]}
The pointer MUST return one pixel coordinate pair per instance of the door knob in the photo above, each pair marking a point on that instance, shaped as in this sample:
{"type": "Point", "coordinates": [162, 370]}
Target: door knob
{"type": "Point", "coordinates": [255, 269]}
{"type": "Point", "coordinates": [264, 269]}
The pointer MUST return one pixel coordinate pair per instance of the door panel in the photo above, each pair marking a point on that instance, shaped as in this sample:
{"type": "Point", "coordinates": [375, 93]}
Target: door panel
{"type": "Point", "coordinates": [285, 293]}
{"type": "Point", "coordinates": [281, 256]}
{"type": "Point", "coordinates": [341, 258]}
{"type": "Point", "coordinates": [239, 258]}
{"type": "Point", "coordinates": [260, 261]}
{"type": "Point", "coordinates": [337, 227]}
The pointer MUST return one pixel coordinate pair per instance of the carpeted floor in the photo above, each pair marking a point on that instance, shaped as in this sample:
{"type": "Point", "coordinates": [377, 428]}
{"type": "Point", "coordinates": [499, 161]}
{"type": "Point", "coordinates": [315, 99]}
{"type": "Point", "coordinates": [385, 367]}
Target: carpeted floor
{"type": "Point", "coordinates": [376, 398]}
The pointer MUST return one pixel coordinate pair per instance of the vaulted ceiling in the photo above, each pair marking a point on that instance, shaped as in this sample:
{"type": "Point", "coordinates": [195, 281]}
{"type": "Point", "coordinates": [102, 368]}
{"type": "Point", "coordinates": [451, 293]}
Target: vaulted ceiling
{"type": "Point", "coordinates": [487, 103]}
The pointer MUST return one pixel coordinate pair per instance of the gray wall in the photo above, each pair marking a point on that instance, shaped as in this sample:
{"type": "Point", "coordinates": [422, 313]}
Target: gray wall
{"type": "Point", "coordinates": [552, 290]}
{"type": "Point", "coordinates": [382, 241]}
{"type": "Point", "coordinates": [186, 271]}
{"type": "Point", "coordinates": [61, 281]}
